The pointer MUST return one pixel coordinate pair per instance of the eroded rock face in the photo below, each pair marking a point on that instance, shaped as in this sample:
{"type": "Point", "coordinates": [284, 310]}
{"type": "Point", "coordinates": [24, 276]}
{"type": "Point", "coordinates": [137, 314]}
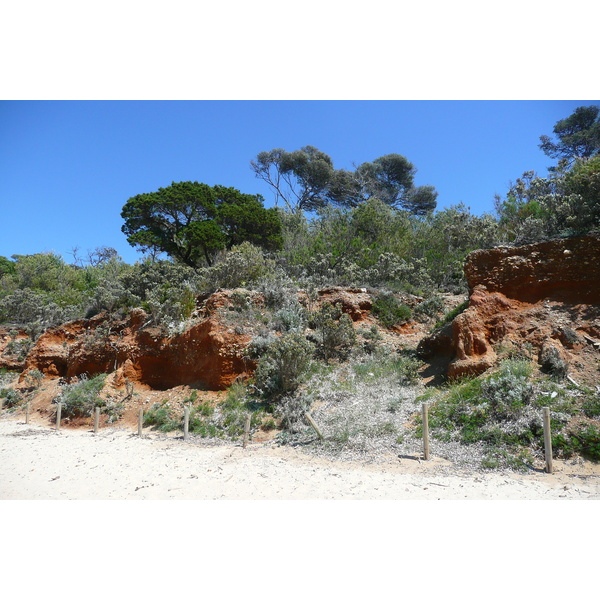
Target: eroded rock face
{"type": "Point", "coordinates": [355, 302]}
{"type": "Point", "coordinates": [207, 354]}
{"type": "Point", "coordinates": [14, 344]}
{"type": "Point", "coordinates": [526, 300]}
{"type": "Point", "coordinates": [565, 270]}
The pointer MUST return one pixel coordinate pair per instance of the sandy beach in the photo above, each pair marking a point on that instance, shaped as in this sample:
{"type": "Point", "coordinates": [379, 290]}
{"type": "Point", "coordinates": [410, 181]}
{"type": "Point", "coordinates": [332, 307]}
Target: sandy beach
{"type": "Point", "coordinates": [40, 463]}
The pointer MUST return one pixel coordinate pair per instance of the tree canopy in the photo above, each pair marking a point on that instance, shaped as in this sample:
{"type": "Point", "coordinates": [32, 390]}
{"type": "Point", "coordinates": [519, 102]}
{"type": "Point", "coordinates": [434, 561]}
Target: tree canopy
{"type": "Point", "coordinates": [192, 222]}
{"type": "Point", "coordinates": [578, 135]}
{"type": "Point", "coordinates": [307, 180]}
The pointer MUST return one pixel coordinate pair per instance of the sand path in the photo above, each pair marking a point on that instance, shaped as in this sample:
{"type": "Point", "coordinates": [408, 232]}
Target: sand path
{"type": "Point", "coordinates": [39, 463]}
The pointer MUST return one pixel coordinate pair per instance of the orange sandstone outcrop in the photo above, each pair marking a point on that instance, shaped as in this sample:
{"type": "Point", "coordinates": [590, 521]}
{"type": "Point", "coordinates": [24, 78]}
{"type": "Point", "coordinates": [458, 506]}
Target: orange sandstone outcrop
{"type": "Point", "coordinates": [528, 298]}
{"type": "Point", "coordinates": [566, 270]}
{"type": "Point", "coordinates": [208, 354]}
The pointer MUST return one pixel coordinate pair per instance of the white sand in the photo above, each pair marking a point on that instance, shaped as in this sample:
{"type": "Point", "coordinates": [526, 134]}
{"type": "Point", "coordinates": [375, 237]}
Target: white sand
{"type": "Point", "coordinates": [39, 463]}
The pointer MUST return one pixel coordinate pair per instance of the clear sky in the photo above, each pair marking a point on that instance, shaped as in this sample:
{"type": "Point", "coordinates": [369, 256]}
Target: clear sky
{"type": "Point", "coordinates": [68, 167]}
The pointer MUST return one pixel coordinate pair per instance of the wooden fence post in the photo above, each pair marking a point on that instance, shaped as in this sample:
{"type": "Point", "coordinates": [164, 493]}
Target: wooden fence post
{"type": "Point", "coordinates": [186, 421]}
{"type": "Point", "coordinates": [58, 413]}
{"type": "Point", "coordinates": [547, 440]}
{"type": "Point", "coordinates": [140, 421]}
{"type": "Point", "coordinates": [425, 415]}
{"type": "Point", "coordinates": [96, 418]}
{"type": "Point", "coordinates": [246, 430]}
{"type": "Point", "coordinates": [313, 425]}
{"type": "Point", "coordinates": [27, 413]}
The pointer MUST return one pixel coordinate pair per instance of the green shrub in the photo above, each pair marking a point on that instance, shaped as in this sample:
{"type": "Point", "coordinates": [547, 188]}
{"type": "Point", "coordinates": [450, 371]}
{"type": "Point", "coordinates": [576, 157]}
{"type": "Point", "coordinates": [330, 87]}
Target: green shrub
{"type": "Point", "coordinates": [291, 317]}
{"type": "Point", "coordinates": [431, 307]}
{"type": "Point", "coordinates": [584, 439]}
{"type": "Point", "coordinates": [160, 416]}
{"type": "Point", "coordinates": [591, 405]}
{"type": "Point", "coordinates": [508, 391]}
{"type": "Point", "coordinates": [452, 314]}
{"type": "Point", "coordinates": [34, 378]}
{"type": "Point", "coordinates": [552, 363]}
{"type": "Point", "coordinates": [80, 399]}
{"type": "Point", "coordinates": [372, 338]}
{"type": "Point", "coordinates": [12, 398]}
{"type": "Point", "coordinates": [334, 331]}
{"type": "Point", "coordinates": [227, 419]}
{"type": "Point", "coordinates": [488, 409]}
{"type": "Point", "coordinates": [242, 265]}
{"type": "Point", "coordinates": [587, 436]}
{"type": "Point", "coordinates": [390, 311]}
{"type": "Point", "coordinates": [260, 344]}
{"type": "Point", "coordinates": [277, 289]}
{"type": "Point", "coordinates": [281, 367]}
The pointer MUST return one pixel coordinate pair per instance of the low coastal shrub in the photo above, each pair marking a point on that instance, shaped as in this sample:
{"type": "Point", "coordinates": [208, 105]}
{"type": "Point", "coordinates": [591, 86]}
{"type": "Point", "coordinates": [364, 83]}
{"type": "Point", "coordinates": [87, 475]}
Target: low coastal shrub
{"type": "Point", "coordinates": [161, 417]}
{"type": "Point", "coordinates": [282, 366]}
{"type": "Point", "coordinates": [79, 399]}
{"type": "Point", "coordinates": [390, 311]}
{"type": "Point", "coordinates": [452, 314]}
{"type": "Point", "coordinates": [334, 333]}
{"type": "Point", "coordinates": [11, 397]}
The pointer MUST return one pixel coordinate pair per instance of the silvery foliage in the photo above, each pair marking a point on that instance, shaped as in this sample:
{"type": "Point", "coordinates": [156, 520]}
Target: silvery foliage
{"type": "Point", "coordinates": [277, 288]}
{"type": "Point", "coordinates": [360, 416]}
{"type": "Point", "coordinates": [239, 267]}
{"type": "Point", "coordinates": [282, 366]}
{"type": "Point", "coordinates": [326, 270]}
{"type": "Point", "coordinates": [430, 308]}
{"type": "Point", "coordinates": [290, 318]}
{"type": "Point", "coordinates": [33, 310]}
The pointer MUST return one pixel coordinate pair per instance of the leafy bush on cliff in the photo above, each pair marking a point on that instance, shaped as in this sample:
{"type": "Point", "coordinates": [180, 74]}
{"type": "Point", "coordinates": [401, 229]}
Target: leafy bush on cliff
{"type": "Point", "coordinates": [496, 410]}
{"type": "Point", "coordinates": [390, 311]}
{"type": "Point", "coordinates": [34, 311]}
{"type": "Point", "coordinates": [334, 333]}
{"type": "Point", "coordinates": [11, 397]}
{"type": "Point", "coordinates": [79, 399]}
{"type": "Point", "coordinates": [241, 266]}
{"type": "Point", "coordinates": [281, 368]}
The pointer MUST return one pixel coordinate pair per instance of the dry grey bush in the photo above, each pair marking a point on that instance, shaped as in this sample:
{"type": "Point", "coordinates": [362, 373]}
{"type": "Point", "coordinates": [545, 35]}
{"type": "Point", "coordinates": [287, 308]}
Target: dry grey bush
{"type": "Point", "coordinates": [369, 416]}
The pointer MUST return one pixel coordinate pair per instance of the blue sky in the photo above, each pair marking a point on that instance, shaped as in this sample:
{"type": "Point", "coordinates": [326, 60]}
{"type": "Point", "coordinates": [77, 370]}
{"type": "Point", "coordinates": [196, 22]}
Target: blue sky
{"type": "Point", "coordinates": [68, 167]}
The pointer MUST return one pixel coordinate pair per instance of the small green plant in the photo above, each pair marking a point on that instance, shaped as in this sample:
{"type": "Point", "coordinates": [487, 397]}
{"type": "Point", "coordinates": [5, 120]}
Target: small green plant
{"type": "Point", "coordinates": [430, 308]}
{"type": "Point", "coordinates": [372, 338]}
{"type": "Point", "coordinates": [160, 416]}
{"type": "Point", "coordinates": [452, 314]}
{"type": "Point", "coordinates": [281, 368]}
{"type": "Point", "coordinates": [12, 398]}
{"type": "Point", "coordinates": [79, 399]}
{"type": "Point", "coordinates": [402, 369]}
{"type": "Point", "coordinates": [34, 378]}
{"type": "Point", "coordinates": [583, 438]}
{"type": "Point", "coordinates": [588, 438]}
{"type": "Point", "coordinates": [334, 332]}
{"type": "Point", "coordinates": [552, 363]}
{"type": "Point", "coordinates": [591, 404]}
{"type": "Point", "coordinates": [390, 311]}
